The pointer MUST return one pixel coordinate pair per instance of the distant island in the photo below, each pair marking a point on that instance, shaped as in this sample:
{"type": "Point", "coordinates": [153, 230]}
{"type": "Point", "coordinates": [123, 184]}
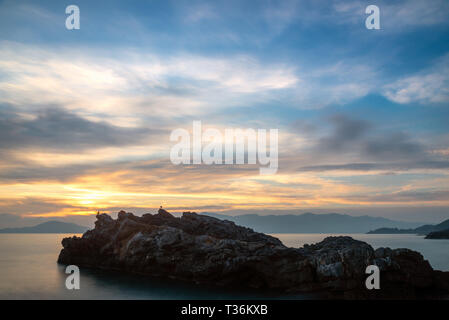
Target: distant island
{"type": "Point", "coordinates": [438, 235]}
{"type": "Point", "coordinates": [392, 231]}
{"type": "Point", "coordinates": [48, 227]}
{"type": "Point", "coordinates": [438, 231]}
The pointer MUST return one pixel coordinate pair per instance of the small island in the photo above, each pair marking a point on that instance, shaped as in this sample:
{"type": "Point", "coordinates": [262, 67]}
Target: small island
{"type": "Point", "coordinates": [438, 230]}
{"type": "Point", "coordinates": [206, 250]}
{"type": "Point", "coordinates": [392, 231]}
{"type": "Point", "coordinates": [438, 235]}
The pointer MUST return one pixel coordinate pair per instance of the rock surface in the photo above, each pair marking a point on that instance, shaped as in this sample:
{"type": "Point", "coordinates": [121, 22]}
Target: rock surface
{"type": "Point", "coordinates": [203, 249]}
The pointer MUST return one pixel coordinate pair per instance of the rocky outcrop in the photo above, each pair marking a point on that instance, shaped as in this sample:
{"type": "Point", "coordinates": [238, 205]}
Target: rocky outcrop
{"type": "Point", "coordinates": [203, 249]}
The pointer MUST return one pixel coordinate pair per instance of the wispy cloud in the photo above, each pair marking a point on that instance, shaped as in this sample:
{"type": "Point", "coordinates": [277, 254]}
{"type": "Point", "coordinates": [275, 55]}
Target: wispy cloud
{"type": "Point", "coordinates": [57, 129]}
{"type": "Point", "coordinates": [135, 82]}
{"type": "Point", "coordinates": [428, 86]}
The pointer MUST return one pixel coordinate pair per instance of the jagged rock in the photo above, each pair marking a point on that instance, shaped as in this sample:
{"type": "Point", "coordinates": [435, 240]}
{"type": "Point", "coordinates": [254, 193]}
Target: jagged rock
{"type": "Point", "coordinates": [208, 250]}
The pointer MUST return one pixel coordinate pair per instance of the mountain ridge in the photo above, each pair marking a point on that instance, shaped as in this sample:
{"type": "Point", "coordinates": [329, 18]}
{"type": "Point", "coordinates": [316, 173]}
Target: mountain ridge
{"type": "Point", "coordinates": [422, 230]}
{"type": "Point", "coordinates": [312, 223]}
{"type": "Point", "coordinates": [52, 226]}
{"type": "Point", "coordinates": [284, 223]}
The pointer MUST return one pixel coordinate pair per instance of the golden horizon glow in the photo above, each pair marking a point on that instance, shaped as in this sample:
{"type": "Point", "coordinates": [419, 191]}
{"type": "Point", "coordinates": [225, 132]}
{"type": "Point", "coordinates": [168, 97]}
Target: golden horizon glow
{"type": "Point", "coordinates": [88, 194]}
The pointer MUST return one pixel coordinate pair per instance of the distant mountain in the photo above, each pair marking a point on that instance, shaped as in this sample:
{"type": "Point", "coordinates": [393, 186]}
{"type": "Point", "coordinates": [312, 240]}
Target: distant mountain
{"type": "Point", "coordinates": [423, 230]}
{"type": "Point", "coordinates": [392, 231]}
{"type": "Point", "coordinates": [313, 223]}
{"type": "Point", "coordinates": [48, 227]}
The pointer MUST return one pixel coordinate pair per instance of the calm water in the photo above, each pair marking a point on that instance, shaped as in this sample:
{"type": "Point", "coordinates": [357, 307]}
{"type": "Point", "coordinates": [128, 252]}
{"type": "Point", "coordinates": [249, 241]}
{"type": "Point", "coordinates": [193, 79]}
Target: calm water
{"type": "Point", "coordinates": [29, 270]}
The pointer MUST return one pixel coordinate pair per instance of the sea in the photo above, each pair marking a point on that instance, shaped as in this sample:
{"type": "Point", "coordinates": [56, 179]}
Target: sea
{"type": "Point", "coordinates": [28, 270]}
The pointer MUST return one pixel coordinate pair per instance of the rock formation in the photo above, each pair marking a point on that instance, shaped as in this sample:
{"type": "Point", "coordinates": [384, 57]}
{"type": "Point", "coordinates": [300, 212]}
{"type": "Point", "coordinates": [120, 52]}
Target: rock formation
{"type": "Point", "coordinates": [206, 250]}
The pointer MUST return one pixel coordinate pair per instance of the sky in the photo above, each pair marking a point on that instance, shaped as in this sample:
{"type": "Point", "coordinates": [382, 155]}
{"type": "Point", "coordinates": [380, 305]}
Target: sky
{"type": "Point", "coordinates": [86, 115]}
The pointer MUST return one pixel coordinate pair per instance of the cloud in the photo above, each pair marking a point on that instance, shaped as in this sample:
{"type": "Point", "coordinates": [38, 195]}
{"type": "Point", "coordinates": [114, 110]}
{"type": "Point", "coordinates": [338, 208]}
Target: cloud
{"type": "Point", "coordinates": [361, 141]}
{"type": "Point", "coordinates": [30, 172]}
{"type": "Point", "coordinates": [131, 85]}
{"type": "Point", "coordinates": [394, 146]}
{"type": "Point", "coordinates": [9, 220]}
{"type": "Point", "coordinates": [132, 82]}
{"type": "Point", "coordinates": [58, 129]}
{"type": "Point", "coordinates": [401, 166]}
{"type": "Point", "coordinates": [335, 82]}
{"type": "Point", "coordinates": [32, 206]}
{"type": "Point", "coordinates": [408, 13]}
{"type": "Point", "coordinates": [279, 15]}
{"type": "Point", "coordinates": [420, 196]}
{"type": "Point", "coordinates": [346, 132]}
{"type": "Point", "coordinates": [367, 141]}
{"type": "Point", "coordinates": [426, 87]}
{"type": "Point", "coordinates": [199, 13]}
{"type": "Point", "coordinates": [352, 144]}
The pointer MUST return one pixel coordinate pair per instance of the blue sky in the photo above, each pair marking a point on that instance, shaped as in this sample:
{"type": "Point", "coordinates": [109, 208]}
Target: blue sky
{"type": "Point", "coordinates": [354, 107]}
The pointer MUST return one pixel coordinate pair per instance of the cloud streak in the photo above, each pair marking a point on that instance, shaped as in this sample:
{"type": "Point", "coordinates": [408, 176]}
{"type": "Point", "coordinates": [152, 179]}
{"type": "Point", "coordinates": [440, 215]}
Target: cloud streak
{"type": "Point", "coordinates": [426, 87]}
{"type": "Point", "coordinates": [57, 129]}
